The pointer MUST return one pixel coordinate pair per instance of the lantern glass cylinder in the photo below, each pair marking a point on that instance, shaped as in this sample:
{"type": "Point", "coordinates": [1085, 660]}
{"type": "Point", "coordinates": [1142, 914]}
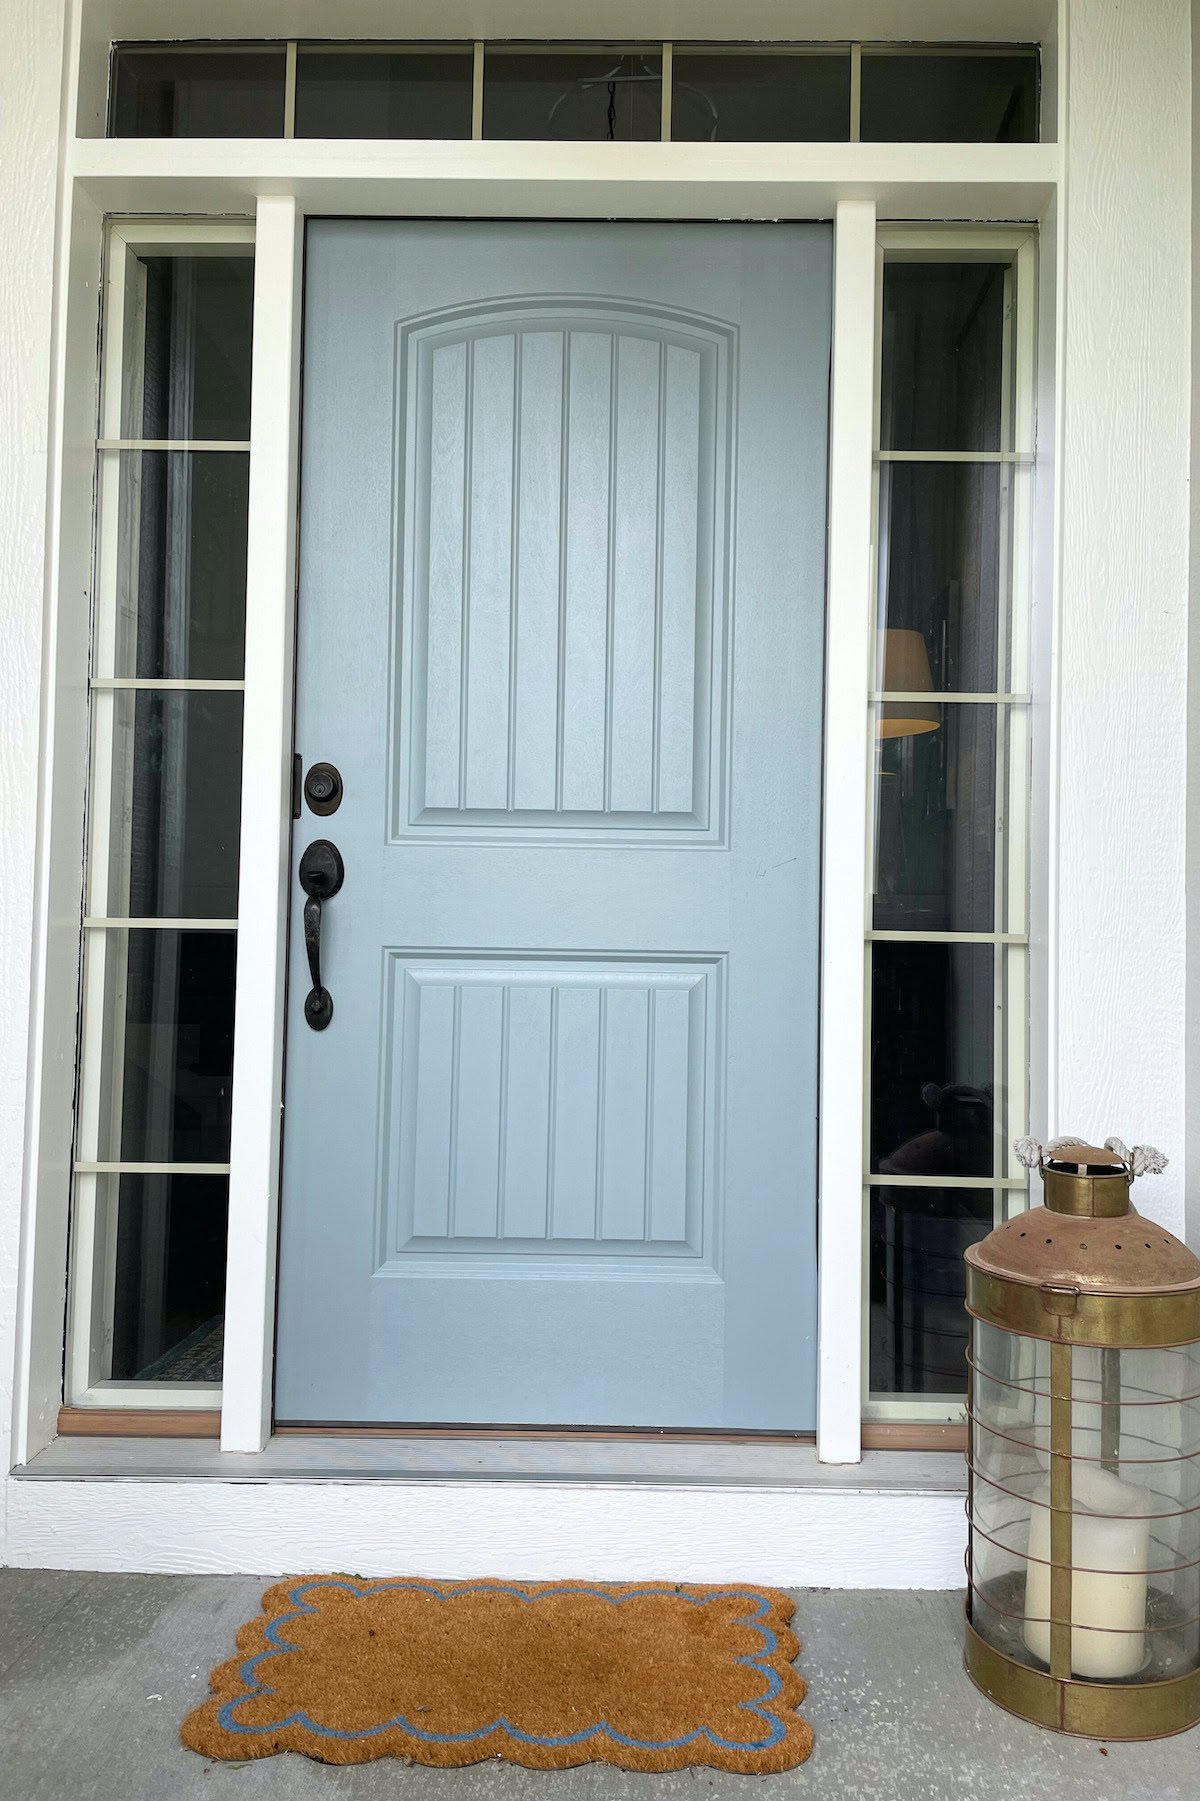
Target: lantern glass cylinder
{"type": "Point", "coordinates": [1127, 1574]}
{"type": "Point", "coordinates": [1083, 1561]}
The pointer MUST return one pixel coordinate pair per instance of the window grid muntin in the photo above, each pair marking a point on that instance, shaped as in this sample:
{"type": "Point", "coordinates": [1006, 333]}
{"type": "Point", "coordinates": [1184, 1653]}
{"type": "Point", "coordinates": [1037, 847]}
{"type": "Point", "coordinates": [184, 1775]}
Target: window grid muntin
{"type": "Point", "coordinates": [1016, 456]}
{"type": "Point", "coordinates": [481, 49]}
{"type": "Point", "coordinates": [96, 1181]}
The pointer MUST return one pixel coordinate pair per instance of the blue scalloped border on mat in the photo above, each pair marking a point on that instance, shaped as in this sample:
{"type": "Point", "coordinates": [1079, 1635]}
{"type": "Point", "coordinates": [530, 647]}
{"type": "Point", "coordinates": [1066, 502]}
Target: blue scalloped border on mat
{"type": "Point", "coordinates": [760, 1605]}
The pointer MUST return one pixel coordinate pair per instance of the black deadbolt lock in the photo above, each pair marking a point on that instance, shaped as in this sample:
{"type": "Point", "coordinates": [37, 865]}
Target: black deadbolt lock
{"type": "Point", "coordinates": [323, 789]}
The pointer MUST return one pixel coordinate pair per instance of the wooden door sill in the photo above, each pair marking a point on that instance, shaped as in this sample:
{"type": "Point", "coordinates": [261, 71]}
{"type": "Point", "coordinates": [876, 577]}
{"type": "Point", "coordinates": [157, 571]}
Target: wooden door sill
{"type": "Point", "coordinates": [139, 1422]}
{"type": "Point", "coordinates": [912, 1436]}
{"type": "Point", "coordinates": [186, 1422]}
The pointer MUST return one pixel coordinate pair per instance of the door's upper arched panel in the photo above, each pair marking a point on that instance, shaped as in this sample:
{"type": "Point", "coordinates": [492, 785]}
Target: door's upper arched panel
{"type": "Point", "coordinates": [561, 574]}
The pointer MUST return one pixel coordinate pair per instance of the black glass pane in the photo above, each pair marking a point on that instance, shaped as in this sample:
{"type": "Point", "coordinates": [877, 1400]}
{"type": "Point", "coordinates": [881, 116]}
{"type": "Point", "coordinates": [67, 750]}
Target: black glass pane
{"type": "Point", "coordinates": [383, 94]}
{"type": "Point", "coordinates": [176, 1021]}
{"type": "Point", "coordinates": [169, 1290]}
{"type": "Point", "coordinates": [582, 94]}
{"type": "Point", "coordinates": [202, 93]}
{"type": "Point", "coordinates": [943, 356]}
{"type": "Point", "coordinates": [192, 378]}
{"type": "Point", "coordinates": [175, 811]}
{"type": "Point", "coordinates": [935, 818]}
{"type": "Point", "coordinates": [932, 1018]}
{"type": "Point", "coordinates": [181, 586]}
{"type": "Point", "coordinates": [949, 97]}
{"type": "Point", "coordinates": [918, 1322]}
{"type": "Point", "coordinates": [752, 99]}
{"type": "Point", "coordinates": [939, 574]}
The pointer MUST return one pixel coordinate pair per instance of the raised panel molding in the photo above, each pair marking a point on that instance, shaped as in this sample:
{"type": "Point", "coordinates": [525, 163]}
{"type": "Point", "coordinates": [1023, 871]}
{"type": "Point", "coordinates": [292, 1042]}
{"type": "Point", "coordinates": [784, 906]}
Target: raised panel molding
{"type": "Point", "coordinates": [562, 498]}
{"type": "Point", "coordinates": [549, 1107]}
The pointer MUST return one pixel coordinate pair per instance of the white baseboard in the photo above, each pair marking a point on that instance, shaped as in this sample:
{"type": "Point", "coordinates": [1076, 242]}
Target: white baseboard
{"type": "Point", "coordinates": [827, 1537]}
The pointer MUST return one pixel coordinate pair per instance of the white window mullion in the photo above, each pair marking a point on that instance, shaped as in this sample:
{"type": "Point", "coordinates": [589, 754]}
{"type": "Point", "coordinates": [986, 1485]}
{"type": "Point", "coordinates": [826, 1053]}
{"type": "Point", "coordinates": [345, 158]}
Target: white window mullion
{"type": "Point", "coordinates": [265, 831]}
{"type": "Point", "coordinates": [840, 1256]}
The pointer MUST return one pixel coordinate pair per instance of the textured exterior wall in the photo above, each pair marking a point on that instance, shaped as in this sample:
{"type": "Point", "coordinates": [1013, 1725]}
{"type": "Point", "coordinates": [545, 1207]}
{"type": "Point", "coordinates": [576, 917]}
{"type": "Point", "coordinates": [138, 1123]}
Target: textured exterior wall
{"type": "Point", "coordinates": [31, 32]}
{"type": "Point", "coordinates": [1120, 844]}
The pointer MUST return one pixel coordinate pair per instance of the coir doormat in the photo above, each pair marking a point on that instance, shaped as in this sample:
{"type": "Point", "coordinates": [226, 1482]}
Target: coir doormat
{"type": "Point", "coordinates": [647, 1676]}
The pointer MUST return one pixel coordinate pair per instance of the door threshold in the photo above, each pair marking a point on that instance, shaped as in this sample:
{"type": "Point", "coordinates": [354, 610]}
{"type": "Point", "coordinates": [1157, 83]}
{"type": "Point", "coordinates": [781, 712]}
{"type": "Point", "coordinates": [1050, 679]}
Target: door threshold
{"type": "Point", "coordinates": [567, 1434]}
{"type": "Point", "coordinates": [372, 1458]}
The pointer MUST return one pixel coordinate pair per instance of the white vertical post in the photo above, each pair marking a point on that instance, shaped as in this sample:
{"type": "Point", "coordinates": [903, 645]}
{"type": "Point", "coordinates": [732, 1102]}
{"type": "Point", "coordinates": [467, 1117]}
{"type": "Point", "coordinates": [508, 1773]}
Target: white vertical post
{"type": "Point", "coordinates": [266, 811]}
{"type": "Point", "coordinates": [847, 672]}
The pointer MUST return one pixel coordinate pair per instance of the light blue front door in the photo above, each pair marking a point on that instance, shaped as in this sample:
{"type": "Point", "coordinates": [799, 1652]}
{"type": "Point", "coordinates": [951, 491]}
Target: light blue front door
{"type": "Point", "coordinates": [561, 607]}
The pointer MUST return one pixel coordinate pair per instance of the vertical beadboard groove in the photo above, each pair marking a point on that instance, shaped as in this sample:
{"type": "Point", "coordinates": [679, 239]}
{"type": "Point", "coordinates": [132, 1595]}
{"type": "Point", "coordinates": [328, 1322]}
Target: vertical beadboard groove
{"type": "Point", "coordinates": [464, 667]}
{"type": "Point", "coordinates": [514, 576]}
{"type": "Point", "coordinates": [551, 1112]}
{"type": "Point", "coordinates": [601, 1098]}
{"type": "Point", "coordinates": [502, 1126]}
{"type": "Point", "coordinates": [648, 1135]}
{"type": "Point", "coordinates": [564, 478]}
{"type": "Point", "coordinates": [659, 536]}
{"type": "Point", "coordinates": [610, 594]}
{"type": "Point", "coordinates": [452, 1148]}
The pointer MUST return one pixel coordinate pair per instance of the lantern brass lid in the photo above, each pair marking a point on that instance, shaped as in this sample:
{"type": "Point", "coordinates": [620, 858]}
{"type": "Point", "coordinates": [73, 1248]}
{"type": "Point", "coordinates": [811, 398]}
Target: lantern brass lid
{"type": "Point", "coordinates": [1085, 1160]}
{"type": "Point", "coordinates": [1125, 1255]}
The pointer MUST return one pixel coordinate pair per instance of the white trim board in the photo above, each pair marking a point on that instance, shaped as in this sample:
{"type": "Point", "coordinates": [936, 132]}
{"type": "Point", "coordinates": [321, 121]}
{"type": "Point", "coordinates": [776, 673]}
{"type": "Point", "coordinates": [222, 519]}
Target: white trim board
{"type": "Point", "coordinates": [465, 178]}
{"type": "Point", "coordinates": [839, 1537]}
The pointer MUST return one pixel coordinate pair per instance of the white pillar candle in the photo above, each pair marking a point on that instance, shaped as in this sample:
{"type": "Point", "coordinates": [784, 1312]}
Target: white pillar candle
{"type": "Point", "coordinates": [1110, 1552]}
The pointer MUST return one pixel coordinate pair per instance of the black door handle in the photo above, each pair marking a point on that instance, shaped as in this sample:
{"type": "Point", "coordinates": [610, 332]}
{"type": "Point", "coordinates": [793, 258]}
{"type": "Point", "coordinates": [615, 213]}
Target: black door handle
{"type": "Point", "coordinates": [321, 875]}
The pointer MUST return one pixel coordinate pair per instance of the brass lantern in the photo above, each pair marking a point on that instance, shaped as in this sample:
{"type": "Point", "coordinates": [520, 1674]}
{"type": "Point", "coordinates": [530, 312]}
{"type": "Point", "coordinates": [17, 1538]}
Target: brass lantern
{"type": "Point", "coordinates": [1083, 1561]}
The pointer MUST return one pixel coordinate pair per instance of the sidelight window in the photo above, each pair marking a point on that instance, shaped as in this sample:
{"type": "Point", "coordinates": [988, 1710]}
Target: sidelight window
{"type": "Point", "coordinates": [161, 886]}
{"type": "Point", "coordinates": [947, 918]}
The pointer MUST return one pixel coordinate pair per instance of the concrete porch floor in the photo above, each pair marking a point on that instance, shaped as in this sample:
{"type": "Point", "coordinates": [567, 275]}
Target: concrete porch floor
{"type": "Point", "coordinates": [96, 1673]}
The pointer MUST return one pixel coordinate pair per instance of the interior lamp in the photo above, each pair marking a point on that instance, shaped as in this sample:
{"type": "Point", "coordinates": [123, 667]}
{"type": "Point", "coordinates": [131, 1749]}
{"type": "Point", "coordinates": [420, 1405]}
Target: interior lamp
{"type": "Point", "coordinates": [904, 669]}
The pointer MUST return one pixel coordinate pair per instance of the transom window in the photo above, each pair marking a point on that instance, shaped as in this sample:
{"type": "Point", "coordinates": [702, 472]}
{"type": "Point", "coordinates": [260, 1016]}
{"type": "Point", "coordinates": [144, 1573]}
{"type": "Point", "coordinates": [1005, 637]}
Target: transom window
{"type": "Point", "coordinates": [747, 93]}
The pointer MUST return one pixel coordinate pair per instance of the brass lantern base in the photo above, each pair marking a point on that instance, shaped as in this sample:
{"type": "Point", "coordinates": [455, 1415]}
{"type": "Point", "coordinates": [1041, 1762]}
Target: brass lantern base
{"type": "Point", "coordinates": [1104, 1710]}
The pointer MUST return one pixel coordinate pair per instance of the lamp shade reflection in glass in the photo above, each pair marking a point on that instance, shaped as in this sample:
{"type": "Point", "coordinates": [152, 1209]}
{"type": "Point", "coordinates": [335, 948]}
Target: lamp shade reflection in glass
{"type": "Point", "coordinates": [903, 668]}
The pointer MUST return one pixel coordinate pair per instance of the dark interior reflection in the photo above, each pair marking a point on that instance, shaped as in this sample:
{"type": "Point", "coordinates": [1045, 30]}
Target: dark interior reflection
{"type": "Point", "coordinates": [346, 93]}
{"type": "Point", "coordinates": [184, 515]}
{"type": "Point", "coordinates": [931, 1059]}
{"type": "Point", "coordinates": [950, 97]}
{"type": "Point", "coordinates": [943, 356]}
{"type": "Point", "coordinates": [606, 94]}
{"type": "Point", "coordinates": [195, 376]}
{"type": "Point", "coordinates": [178, 857]}
{"type": "Point", "coordinates": [759, 99]}
{"type": "Point", "coordinates": [918, 1323]}
{"type": "Point", "coordinates": [169, 1294]}
{"type": "Point", "coordinates": [935, 819]}
{"type": "Point", "coordinates": [222, 92]}
{"type": "Point", "coordinates": [178, 1062]}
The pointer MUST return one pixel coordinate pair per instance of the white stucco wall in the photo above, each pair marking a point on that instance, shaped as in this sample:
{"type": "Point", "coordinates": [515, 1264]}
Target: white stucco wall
{"type": "Point", "coordinates": [31, 32]}
{"type": "Point", "coordinates": [1122, 641]}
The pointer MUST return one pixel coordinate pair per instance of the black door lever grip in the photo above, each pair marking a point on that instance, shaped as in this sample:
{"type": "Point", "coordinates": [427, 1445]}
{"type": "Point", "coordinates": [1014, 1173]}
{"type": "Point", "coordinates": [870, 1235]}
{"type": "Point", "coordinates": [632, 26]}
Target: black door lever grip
{"type": "Point", "coordinates": [321, 875]}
